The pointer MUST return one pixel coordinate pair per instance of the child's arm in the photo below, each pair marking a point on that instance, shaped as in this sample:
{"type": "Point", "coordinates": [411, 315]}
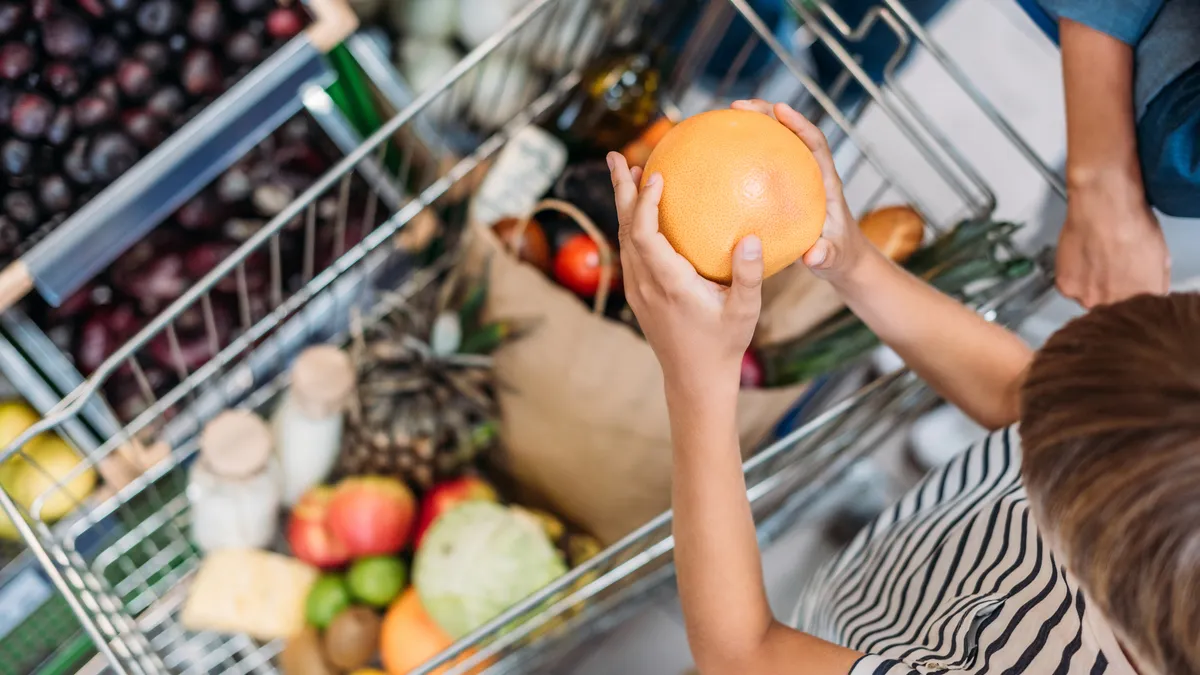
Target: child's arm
{"type": "Point", "coordinates": [699, 331]}
{"type": "Point", "coordinates": [976, 365]}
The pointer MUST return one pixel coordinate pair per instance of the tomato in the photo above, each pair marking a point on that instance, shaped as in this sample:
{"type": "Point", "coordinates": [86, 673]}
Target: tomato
{"type": "Point", "coordinates": [577, 266]}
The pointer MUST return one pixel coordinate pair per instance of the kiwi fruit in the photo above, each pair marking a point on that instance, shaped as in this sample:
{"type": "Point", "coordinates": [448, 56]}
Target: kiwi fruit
{"type": "Point", "coordinates": [302, 655]}
{"type": "Point", "coordinates": [352, 638]}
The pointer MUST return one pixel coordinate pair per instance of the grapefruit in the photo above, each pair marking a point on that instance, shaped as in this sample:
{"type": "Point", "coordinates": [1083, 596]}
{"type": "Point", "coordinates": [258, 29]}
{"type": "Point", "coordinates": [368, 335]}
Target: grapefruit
{"type": "Point", "coordinates": [732, 173]}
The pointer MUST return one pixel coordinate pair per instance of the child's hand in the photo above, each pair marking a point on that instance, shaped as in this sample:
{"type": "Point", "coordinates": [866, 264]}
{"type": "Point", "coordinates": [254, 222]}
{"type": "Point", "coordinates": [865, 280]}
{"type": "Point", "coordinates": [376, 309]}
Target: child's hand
{"type": "Point", "coordinates": [698, 329]}
{"type": "Point", "coordinates": [842, 245]}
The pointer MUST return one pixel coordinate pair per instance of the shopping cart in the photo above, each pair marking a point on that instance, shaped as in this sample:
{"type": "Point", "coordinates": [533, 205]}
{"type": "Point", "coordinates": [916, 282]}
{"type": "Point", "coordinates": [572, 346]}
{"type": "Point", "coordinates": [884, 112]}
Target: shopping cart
{"type": "Point", "coordinates": [123, 561]}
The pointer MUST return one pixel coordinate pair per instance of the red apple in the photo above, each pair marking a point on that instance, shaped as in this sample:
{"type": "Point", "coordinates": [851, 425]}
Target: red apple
{"type": "Point", "coordinates": [372, 515]}
{"type": "Point", "coordinates": [447, 495]}
{"type": "Point", "coordinates": [309, 533]}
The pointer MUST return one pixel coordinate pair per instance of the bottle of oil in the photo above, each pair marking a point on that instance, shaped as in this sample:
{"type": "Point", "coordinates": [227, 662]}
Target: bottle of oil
{"type": "Point", "coordinates": [620, 94]}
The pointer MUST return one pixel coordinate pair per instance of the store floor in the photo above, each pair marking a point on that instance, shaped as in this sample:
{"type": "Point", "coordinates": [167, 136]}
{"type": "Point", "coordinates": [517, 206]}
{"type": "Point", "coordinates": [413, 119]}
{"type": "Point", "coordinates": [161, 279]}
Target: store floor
{"type": "Point", "coordinates": [1016, 68]}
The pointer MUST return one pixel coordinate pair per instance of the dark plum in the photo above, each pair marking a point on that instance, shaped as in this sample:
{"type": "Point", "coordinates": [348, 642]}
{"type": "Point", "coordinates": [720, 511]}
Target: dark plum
{"type": "Point", "coordinates": [241, 229]}
{"type": "Point", "coordinates": [12, 16]}
{"type": "Point", "coordinates": [10, 236]}
{"type": "Point", "coordinates": [111, 155]}
{"type": "Point", "coordinates": [195, 348]}
{"type": "Point", "coordinates": [21, 208]}
{"type": "Point", "coordinates": [234, 185]}
{"type": "Point", "coordinates": [66, 36]}
{"type": "Point", "coordinates": [106, 53]}
{"type": "Point", "coordinates": [16, 60]}
{"type": "Point", "coordinates": [284, 23]}
{"type": "Point", "coordinates": [63, 80]}
{"type": "Point", "coordinates": [16, 157]}
{"type": "Point", "coordinates": [94, 7]}
{"type": "Point", "coordinates": [124, 30]}
{"type": "Point", "coordinates": [177, 43]}
{"type": "Point", "coordinates": [159, 17]}
{"type": "Point", "coordinates": [82, 300]}
{"type": "Point", "coordinates": [102, 334]}
{"type": "Point", "coordinates": [135, 79]}
{"type": "Point", "coordinates": [31, 115]}
{"type": "Point", "coordinates": [107, 88]}
{"type": "Point", "coordinates": [199, 213]}
{"type": "Point", "coordinates": [206, 23]}
{"type": "Point", "coordinates": [93, 111]}
{"type": "Point", "coordinates": [166, 102]}
{"type": "Point", "coordinates": [155, 283]}
{"type": "Point", "coordinates": [271, 198]}
{"type": "Point", "coordinates": [155, 55]}
{"type": "Point", "coordinates": [42, 9]}
{"type": "Point", "coordinates": [243, 48]}
{"type": "Point", "coordinates": [248, 6]}
{"type": "Point", "coordinates": [201, 259]}
{"type": "Point", "coordinates": [7, 96]}
{"type": "Point", "coordinates": [201, 74]}
{"type": "Point", "coordinates": [61, 127]}
{"type": "Point", "coordinates": [55, 194]}
{"type": "Point", "coordinates": [75, 163]}
{"type": "Point", "coordinates": [144, 128]}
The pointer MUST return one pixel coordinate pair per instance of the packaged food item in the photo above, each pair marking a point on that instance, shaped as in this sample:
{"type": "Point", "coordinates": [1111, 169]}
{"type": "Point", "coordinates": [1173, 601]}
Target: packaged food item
{"type": "Point", "coordinates": [249, 591]}
{"type": "Point", "coordinates": [234, 486]}
{"type": "Point", "coordinates": [307, 424]}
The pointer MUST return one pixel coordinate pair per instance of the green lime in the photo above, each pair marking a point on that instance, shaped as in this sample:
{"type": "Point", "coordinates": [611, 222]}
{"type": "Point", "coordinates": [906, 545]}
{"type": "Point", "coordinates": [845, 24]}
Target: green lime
{"type": "Point", "coordinates": [326, 599]}
{"type": "Point", "coordinates": [377, 580]}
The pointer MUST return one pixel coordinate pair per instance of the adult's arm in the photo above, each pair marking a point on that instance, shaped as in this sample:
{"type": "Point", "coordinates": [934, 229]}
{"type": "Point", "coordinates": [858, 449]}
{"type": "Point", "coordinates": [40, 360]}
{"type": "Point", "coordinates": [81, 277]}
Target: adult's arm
{"type": "Point", "coordinates": [1111, 245]}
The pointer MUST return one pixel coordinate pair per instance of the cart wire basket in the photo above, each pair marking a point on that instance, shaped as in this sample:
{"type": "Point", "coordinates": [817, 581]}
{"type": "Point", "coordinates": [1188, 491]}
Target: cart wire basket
{"type": "Point", "coordinates": [123, 559]}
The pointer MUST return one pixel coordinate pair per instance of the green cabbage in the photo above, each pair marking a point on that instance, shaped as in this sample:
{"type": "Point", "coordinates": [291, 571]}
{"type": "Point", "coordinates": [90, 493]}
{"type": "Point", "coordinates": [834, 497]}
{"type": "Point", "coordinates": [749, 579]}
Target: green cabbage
{"type": "Point", "coordinates": [478, 560]}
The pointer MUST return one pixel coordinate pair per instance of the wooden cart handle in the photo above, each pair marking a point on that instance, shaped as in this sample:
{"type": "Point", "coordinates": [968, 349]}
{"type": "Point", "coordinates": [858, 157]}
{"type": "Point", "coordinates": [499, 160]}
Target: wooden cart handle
{"type": "Point", "coordinates": [15, 283]}
{"type": "Point", "coordinates": [334, 22]}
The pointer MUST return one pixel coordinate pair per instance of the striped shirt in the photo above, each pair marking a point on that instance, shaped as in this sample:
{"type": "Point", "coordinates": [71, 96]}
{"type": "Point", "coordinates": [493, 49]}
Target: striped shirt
{"type": "Point", "coordinates": [956, 579]}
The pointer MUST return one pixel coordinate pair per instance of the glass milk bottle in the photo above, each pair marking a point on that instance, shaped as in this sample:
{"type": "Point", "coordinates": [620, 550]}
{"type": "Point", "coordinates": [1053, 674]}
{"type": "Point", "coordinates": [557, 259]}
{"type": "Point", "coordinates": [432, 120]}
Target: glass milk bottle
{"type": "Point", "coordinates": [234, 485]}
{"type": "Point", "coordinates": [308, 421]}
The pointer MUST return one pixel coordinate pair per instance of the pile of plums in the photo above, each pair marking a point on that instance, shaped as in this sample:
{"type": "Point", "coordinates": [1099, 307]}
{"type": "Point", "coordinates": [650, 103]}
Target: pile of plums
{"type": "Point", "coordinates": [87, 87]}
{"type": "Point", "coordinates": [92, 324]}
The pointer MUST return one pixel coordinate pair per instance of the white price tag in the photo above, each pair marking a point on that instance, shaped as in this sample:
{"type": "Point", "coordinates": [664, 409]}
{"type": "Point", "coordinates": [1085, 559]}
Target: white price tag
{"type": "Point", "coordinates": [523, 172]}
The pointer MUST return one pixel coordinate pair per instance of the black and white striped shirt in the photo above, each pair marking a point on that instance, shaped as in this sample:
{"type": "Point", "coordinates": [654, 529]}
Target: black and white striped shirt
{"type": "Point", "coordinates": [955, 578]}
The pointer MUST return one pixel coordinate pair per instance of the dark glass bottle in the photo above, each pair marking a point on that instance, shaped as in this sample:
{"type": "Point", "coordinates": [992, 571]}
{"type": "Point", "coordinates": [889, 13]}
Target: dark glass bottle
{"type": "Point", "coordinates": [620, 94]}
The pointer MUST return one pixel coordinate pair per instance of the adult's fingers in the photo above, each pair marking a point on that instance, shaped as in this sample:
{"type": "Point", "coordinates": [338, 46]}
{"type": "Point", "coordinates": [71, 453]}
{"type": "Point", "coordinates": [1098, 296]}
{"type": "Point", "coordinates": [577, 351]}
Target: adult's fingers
{"type": "Point", "coordinates": [815, 140]}
{"type": "Point", "coordinates": [745, 293]}
{"type": "Point", "coordinates": [625, 190]}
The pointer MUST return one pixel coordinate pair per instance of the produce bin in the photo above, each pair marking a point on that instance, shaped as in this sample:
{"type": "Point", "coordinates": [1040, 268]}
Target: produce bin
{"type": "Point", "coordinates": [125, 563]}
{"type": "Point", "coordinates": [59, 256]}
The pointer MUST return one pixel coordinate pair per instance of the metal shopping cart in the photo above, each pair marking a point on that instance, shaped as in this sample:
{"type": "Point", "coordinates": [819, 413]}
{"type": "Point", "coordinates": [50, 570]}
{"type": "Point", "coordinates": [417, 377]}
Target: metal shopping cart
{"type": "Point", "coordinates": [123, 561]}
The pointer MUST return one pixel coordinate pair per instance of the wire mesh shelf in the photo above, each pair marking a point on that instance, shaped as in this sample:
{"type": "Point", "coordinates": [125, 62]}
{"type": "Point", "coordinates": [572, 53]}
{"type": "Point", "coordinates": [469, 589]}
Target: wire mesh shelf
{"type": "Point", "coordinates": [123, 559]}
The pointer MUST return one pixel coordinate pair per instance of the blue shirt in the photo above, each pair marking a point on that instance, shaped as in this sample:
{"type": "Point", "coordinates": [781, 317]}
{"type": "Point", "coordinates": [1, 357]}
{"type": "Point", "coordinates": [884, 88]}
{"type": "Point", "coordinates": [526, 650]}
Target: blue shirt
{"type": "Point", "coordinates": [1165, 35]}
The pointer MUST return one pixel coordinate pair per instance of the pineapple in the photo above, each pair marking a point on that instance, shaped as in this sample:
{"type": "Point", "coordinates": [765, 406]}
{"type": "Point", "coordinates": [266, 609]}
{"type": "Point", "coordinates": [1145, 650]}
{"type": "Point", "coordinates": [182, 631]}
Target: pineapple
{"type": "Point", "coordinates": [424, 408]}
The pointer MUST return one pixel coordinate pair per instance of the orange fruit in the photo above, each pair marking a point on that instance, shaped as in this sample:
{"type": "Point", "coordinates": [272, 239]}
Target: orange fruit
{"type": "Point", "coordinates": [409, 637]}
{"type": "Point", "coordinates": [731, 173]}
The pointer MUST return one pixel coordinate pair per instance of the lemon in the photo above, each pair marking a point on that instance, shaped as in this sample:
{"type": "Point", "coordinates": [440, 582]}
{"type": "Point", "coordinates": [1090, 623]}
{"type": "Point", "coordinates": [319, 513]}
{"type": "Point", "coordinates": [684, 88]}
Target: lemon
{"type": "Point", "coordinates": [48, 461]}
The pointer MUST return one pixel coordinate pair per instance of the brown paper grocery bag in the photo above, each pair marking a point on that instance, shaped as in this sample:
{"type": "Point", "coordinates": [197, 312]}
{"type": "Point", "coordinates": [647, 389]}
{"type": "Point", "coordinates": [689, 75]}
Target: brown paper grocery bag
{"type": "Point", "coordinates": [583, 414]}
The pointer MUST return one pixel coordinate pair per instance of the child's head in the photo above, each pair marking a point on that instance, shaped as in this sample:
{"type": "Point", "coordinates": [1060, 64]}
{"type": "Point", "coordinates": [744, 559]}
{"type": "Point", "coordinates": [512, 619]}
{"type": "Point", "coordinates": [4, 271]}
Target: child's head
{"type": "Point", "coordinates": [1110, 426]}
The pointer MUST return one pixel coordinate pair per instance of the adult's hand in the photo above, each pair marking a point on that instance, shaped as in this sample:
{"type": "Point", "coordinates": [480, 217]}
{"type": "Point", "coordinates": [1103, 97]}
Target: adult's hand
{"type": "Point", "coordinates": [1111, 246]}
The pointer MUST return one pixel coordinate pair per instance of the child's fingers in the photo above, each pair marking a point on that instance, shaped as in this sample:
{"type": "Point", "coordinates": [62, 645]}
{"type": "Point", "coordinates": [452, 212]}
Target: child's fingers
{"type": "Point", "coordinates": [625, 190]}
